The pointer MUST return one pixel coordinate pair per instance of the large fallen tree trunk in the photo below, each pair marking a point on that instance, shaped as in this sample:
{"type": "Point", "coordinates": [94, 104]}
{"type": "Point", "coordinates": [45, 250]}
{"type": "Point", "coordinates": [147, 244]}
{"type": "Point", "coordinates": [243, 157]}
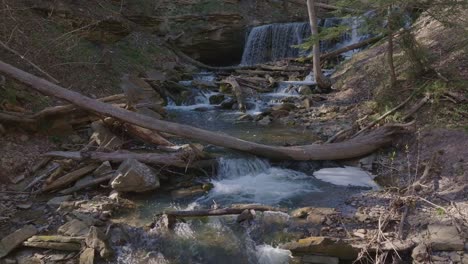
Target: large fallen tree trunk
{"type": "Point", "coordinates": [224, 211]}
{"type": "Point", "coordinates": [356, 147]}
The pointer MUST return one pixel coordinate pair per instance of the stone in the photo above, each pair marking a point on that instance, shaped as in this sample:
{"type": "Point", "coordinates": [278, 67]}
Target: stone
{"type": "Point", "coordinates": [315, 259]}
{"type": "Point", "coordinates": [55, 242]}
{"type": "Point", "coordinates": [245, 117]}
{"type": "Point", "coordinates": [13, 240]}
{"type": "Point", "coordinates": [286, 106]}
{"type": "Point", "coordinates": [134, 176]}
{"type": "Point", "coordinates": [103, 170]}
{"type": "Point", "coordinates": [367, 162]}
{"type": "Point", "coordinates": [265, 121]}
{"type": "Point", "coordinates": [87, 256]}
{"type": "Point", "coordinates": [314, 215]}
{"type": "Point", "coordinates": [420, 254]}
{"type": "Point", "coordinates": [276, 114]}
{"type": "Point", "coordinates": [216, 99]}
{"type": "Point", "coordinates": [305, 90]}
{"type": "Point", "coordinates": [118, 236]}
{"type": "Point", "coordinates": [323, 246]}
{"type": "Point", "coordinates": [57, 201]}
{"type": "Point", "coordinates": [74, 228]}
{"type": "Point", "coordinates": [97, 240]}
{"type": "Point", "coordinates": [246, 215]}
{"type": "Point", "coordinates": [227, 103]}
{"type": "Point", "coordinates": [104, 137]}
{"type": "Point", "coordinates": [445, 238]}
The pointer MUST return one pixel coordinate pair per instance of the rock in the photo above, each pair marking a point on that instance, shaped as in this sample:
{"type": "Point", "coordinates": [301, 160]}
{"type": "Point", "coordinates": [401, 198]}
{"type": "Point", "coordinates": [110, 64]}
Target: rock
{"type": "Point", "coordinates": [97, 240]}
{"type": "Point", "coordinates": [307, 103]}
{"type": "Point", "coordinates": [305, 90]}
{"type": "Point", "coordinates": [323, 246]}
{"type": "Point", "coordinates": [104, 137]}
{"type": "Point", "coordinates": [420, 254]}
{"type": "Point", "coordinates": [246, 215]}
{"type": "Point", "coordinates": [276, 114]}
{"type": "Point", "coordinates": [245, 117]}
{"type": "Point", "coordinates": [57, 201]}
{"type": "Point", "coordinates": [134, 176]}
{"type": "Point", "coordinates": [55, 242]}
{"type": "Point", "coordinates": [2, 130]}
{"type": "Point", "coordinates": [445, 238]}
{"type": "Point", "coordinates": [265, 121]}
{"type": "Point", "coordinates": [11, 241]}
{"type": "Point", "coordinates": [216, 99]}
{"type": "Point", "coordinates": [228, 103]}
{"type": "Point", "coordinates": [87, 256]}
{"type": "Point", "coordinates": [315, 259]}
{"type": "Point", "coordinates": [366, 163]}
{"type": "Point", "coordinates": [186, 192]}
{"type": "Point", "coordinates": [314, 215]}
{"type": "Point", "coordinates": [103, 170]}
{"type": "Point", "coordinates": [74, 228]}
{"type": "Point", "coordinates": [286, 107]}
{"type": "Point", "coordinates": [88, 219]}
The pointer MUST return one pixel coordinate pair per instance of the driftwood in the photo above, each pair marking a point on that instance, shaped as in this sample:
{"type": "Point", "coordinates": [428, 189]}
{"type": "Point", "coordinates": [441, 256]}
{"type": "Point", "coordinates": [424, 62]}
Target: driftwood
{"type": "Point", "coordinates": [355, 147]}
{"type": "Point", "coordinates": [70, 177]}
{"type": "Point", "coordinates": [171, 159]}
{"type": "Point", "coordinates": [224, 211]}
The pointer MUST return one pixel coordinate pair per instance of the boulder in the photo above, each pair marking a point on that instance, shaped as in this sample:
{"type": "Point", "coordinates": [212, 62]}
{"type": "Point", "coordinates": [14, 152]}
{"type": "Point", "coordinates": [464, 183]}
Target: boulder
{"type": "Point", "coordinates": [134, 176]}
{"type": "Point", "coordinates": [445, 238]}
{"type": "Point", "coordinates": [97, 240]}
{"type": "Point", "coordinates": [216, 99]}
{"type": "Point", "coordinates": [11, 241]}
{"type": "Point", "coordinates": [74, 228]}
{"type": "Point", "coordinates": [323, 246]}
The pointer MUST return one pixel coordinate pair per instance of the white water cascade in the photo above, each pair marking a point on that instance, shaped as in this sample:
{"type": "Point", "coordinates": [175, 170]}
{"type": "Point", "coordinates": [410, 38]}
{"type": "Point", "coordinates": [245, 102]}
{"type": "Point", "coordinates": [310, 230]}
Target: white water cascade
{"type": "Point", "coordinates": [276, 41]}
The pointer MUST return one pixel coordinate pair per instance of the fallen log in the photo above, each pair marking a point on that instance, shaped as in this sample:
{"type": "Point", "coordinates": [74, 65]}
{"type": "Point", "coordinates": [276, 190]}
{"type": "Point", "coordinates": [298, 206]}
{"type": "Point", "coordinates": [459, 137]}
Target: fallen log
{"type": "Point", "coordinates": [70, 177]}
{"type": "Point", "coordinates": [224, 211]}
{"type": "Point", "coordinates": [147, 135]}
{"type": "Point", "coordinates": [171, 159]}
{"type": "Point", "coordinates": [356, 147]}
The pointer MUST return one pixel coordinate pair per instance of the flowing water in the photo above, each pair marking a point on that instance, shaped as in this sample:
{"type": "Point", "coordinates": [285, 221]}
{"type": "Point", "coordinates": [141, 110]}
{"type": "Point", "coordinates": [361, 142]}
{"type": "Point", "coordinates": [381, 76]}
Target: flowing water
{"type": "Point", "coordinates": [241, 178]}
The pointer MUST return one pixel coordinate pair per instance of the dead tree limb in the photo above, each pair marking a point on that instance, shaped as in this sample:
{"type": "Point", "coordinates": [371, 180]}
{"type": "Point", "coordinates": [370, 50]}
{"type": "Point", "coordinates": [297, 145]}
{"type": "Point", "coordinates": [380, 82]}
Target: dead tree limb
{"type": "Point", "coordinates": [172, 159]}
{"type": "Point", "coordinates": [223, 211]}
{"type": "Point", "coordinates": [70, 177]}
{"type": "Point", "coordinates": [355, 147]}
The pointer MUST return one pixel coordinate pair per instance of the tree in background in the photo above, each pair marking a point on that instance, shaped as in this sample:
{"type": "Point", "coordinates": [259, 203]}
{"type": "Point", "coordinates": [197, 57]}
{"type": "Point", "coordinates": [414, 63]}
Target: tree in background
{"type": "Point", "coordinates": [322, 82]}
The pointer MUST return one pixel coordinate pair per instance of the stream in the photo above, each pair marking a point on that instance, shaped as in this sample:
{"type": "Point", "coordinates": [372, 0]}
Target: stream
{"type": "Point", "coordinates": [242, 179]}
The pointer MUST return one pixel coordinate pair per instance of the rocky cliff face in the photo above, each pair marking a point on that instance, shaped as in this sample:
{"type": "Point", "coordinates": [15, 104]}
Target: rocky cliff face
{"type": "Point", "coordinates": [212, 31]}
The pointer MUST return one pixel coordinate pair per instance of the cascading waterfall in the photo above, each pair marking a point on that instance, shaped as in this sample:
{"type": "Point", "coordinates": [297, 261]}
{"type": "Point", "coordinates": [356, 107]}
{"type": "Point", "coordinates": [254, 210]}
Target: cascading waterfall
{"type": "Point", "coordinates": [276, 41]}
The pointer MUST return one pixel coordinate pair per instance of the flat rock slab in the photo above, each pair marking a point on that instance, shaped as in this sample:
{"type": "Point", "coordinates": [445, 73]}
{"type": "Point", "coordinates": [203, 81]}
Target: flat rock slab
{"type": "Point", "coordinates": [13, 240]}
{"type": "Point", "coordinates": [74, 228]}
{"type": "Point", "coordinates": [445, 238]}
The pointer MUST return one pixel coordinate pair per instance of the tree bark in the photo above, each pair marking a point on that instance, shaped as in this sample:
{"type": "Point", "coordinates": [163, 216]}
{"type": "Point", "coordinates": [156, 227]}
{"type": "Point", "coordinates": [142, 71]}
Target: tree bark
{"type": "Point", "coordinates": [356, 147]}
{"type": "Point", "coordinates": [391, 65]}
{"type": "Point", "coordinates": [322, 81]}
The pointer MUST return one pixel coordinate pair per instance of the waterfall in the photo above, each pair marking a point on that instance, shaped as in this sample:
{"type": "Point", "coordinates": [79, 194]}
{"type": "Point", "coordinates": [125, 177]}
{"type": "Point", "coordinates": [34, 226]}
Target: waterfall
{"type": "Point", "coordinates": [275, 41]}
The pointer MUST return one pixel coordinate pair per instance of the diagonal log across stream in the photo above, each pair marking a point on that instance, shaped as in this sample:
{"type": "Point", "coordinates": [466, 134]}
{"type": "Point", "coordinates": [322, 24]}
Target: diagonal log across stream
{"type": "Point", "coordinates": [355, 147]}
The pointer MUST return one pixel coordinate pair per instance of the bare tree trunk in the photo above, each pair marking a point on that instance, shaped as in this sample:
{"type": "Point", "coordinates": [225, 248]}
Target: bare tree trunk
{"type": "Point", "coordinates": [322, 81]}
{"type": "Point", "coordinates": [356, 147]}
{"type": "Point", "coordinates": [391, 65]}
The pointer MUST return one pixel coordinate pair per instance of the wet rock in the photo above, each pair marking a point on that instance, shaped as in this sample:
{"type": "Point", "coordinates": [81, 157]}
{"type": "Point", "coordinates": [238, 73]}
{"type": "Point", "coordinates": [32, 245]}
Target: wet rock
{"type": "Point", "coordinates": [276, 114]}
{"type": "Point", "coordinates": [97, 240]}
{"type": "Point", "coordinates": [286, 107]}
{"type": "Point", "coordinates": [57, 201]}
{"type": "Point", "coordinates": [134, 176]}
{"type": "Point", "coordinates": [315, 259]}
{"type": "Point", "coordinates": [245, 117]}
{"type": "Point", "coordinates": [323, 246]}
{"type": "Point", "coordinates": [104, 137]}
{"type": "Point", "coordinates": [305, 90]}
{"type": "Point", "coordinates": [202, 109]}
{"type": "Point", "coordinates": [227, 103]}
{"type": "Point", "coordinates": [13, 240]}
{"type": "Point", "coordinates": [87, 256]}
{"type": "Point", "coordinates": [187, 192]}
{"type": "Point", "coordinates": [246, 215]}
{"type": "Point", "coordinates": [216, 99]}
{"type": "Point", "coordinates": [265, 121]}
{"type": "Point", "coordinates": [445, 238]}
{"type": "Point", "coordinates": [74, 228]}
{"type": "Point", "coordinates": [118, 236]}
{"type": "Point", "coordinates": [314, 215]}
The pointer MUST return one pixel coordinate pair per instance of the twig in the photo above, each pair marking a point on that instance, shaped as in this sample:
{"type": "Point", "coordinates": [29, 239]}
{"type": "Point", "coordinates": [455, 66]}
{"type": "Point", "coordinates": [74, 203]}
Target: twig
{"type": "Point", "coordinates": [28, 61]}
